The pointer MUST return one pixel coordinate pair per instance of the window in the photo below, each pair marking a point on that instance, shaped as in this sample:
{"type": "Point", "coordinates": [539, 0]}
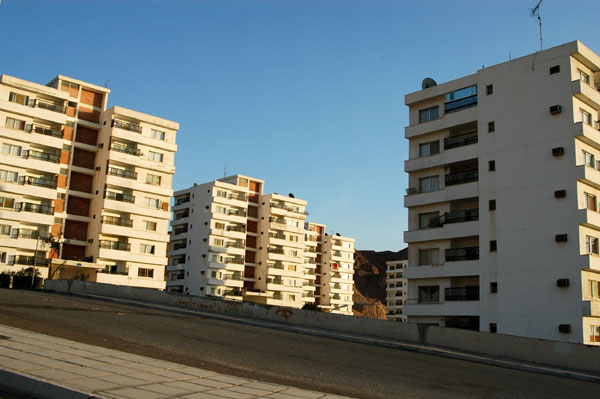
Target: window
{"type": "Point", "coordinates": [221, 194]}
{"type": "Point", "coordinates": [588, 159]}
{"type": "Point", "coordinates": [6, 175]}
{"type": "Point", "coordinates": [153, 179]}
{"type": "Point", "coordinates": [15, 124]}
{"type": "Point", "coordinates": [492, 205]}
{"type": "Point", "coordinates": [554, 69]}
{"type": "Point", "coordinates": [586, 117]}
{"type": "Point", "coordinates": [4, 229]}
{"type": "Point", "coordinates": [491, 166]}
{"type": "Point", "coordinates": [220, 226]}
{"type": "Point", "coordinates": [149, 225]}
{"type": "Point", "coordinates": [290, 297]}
{"type": "Point", "coordinates": [219, 242]}
{"type": "Point", "coordinates": [429, 114]}
{"type": "Point", "coordinates": [157, 134]}
{"type": "Point", "coordinates": [591, 245]}
{"type": "Point", "coordinates": [494, 287]}
{"type": "Point", "coordinates": [292, 252]}
{"type": "Point", "coordinates": [462, 93]}
{"type": "Point", "coordinates": [18, 98]}
{"type": "Point", "coordinates": [221, 209]}
{"type": "Point", "coordinates": [155, 156]}
{"type": "Point", "coordinates": [429, 184]}
{"type": "Point", "coordinates": [429, 294]}
{"type": "Point", "coordinates": [7, 202]}
{"type": "Point", "coordinates": [428, 149]}
{"type": "Point", "coordinates": [594, 289]}
{"type": "Point", "coordinates": [594, 333]}
{"type": "Point", "coordinates": [489, 89]}
{"type": "Point", "coordinates": [152, 202]}
{"type": "Point", "coordinates": [2, 257]}
{"type": "Point", "coordinates": [147, 249]}
{"type": "Point", "coordinates": [589, 201]}
{"type": "Point", "coordinates": [145, 272]}
{"type": "Point", "coordinates": [429, 256]}
{"type": "Point", "coordinates": [428, 220]}
{"type": "Point", "coordinates": [293, 238]}
{"type": "Point", "coordinates": [491, 127]}
{"type": "Point", "coordinates": [11, 149]}
{"type": "Point", "coordinates": [493, 246]}
{"type": "Point", "coordinates": [584, 77]}
{"type": "Point", "coordinates": [493, 328]}
{"type": "Point", "coordinates": [292, 223]}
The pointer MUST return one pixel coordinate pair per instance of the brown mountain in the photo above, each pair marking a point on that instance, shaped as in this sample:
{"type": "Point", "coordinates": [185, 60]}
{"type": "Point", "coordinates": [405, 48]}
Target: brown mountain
{"type": "Point", "coordinates": [370, 281]}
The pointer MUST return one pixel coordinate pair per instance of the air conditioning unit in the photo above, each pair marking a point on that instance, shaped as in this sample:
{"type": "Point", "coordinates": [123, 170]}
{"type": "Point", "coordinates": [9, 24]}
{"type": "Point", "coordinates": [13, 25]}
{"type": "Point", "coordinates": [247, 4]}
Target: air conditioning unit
{"type": "Point", "coordinates": [558, 151]}
{"type": "Point", "coordinates": [98, 167]}
{"type": "Point", "coordinates": [564, 328]}
{"type": "Point", "coordinates": [555, 109]}
{"type": "Point", "coordinates": [560, 193]}
{"type": "Point", "coordinates": [561, 238]}
{"type": "Point", "coordinates": [562, 282]}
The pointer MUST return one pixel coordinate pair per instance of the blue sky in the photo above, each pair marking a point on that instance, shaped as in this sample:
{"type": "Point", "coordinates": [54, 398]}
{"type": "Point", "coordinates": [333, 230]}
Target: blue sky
{"type": "Point", "coordinates": [307, 95]}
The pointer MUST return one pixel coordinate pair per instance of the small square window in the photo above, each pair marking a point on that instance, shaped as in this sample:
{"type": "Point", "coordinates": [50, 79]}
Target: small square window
{"type": "Point", "coordinates": [554, 69]}
{"type": "Point", "coordinates": [491, 127]}
{"type": "Point", "coordinates": [492, 205]}
{"type": "Point", "coordinates": [489, 89]}
{"type": "Point", "coordinates": [494, 287]}
{"type": "Point", "coordinates": [493, 328]}
{"type": "Point", "coordinates": [492, 166]}
{"type": "Point", "coordinates": [493, 246]}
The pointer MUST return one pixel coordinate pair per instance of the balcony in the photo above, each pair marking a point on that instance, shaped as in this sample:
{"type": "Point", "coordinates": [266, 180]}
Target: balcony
{"type": "Point", "coordinates": [51, 107]}
{"type": "Point", "coordinates": [27, 260]}
{"type": "Point", "coordinates": [238, 197]}
{"type": "Point", "coordinates": [237, 212]}
{"type": "Point", "coordinates": [37, 181]}
{"type": "Point", "coordinates": [276, 251]}
{"type": "Point", "coordinates": [459, 105]}
{"type": "Point", "coordinates": [235, 244]}
{"type": "Point", "coordinates": [275, 280]}
{"type": "Point", "coordinates": [108, 271]}
{"type": "Point", "coordinates": [235, 260]}
{"type": "Point", "coordinates": [179, 245]}
{"type": "Point", "coordinates": [466, 215]}
{"type": "Point", "coordinates": [34, 208]}
{"type": "Point", "coordinates": [461, 177]}
{"type": "Point", "coordinates": [43, 130]}
{"type": "Point", "coordinates": [461, 294]}
{"type": "Point", "coordinates": [458, 254]}
{"type": "Point", "coordinates": [25, 233]}
{"type": "Point", "coordinates": [117, 221]}
{"type": "Point", "coordinates": [116, 245]}
{"type": "Point", "coordinates": [41, 156]}
{"type": "Point", "coordinates": [182, 215]}
{"type": "Point", "coordinates": [275, 265]}
{"type": "Point", "coordinates": [180, 230]}
{"type": "Point", "coordinates": [125, 149]}
{"type": "Point", "coordinates": [241, 229]}
{"type": "Point", "coordinates": [460, 140]}
{"type": "Point", "coordinates": [119, 197]}
{"type": "Point", "coordinates": [279, 236]}
{"type": "Point", "coordinates": [127, 174]}
{"type": "Point", "coordinates": [182, 200]}
{"type": "Point", "coordinates": [132, 127]}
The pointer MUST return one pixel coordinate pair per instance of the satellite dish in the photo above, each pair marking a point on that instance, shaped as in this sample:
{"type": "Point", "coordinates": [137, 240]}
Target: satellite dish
{"type": "Point", "coordinates": [427, 83]}
{"type": "Point", "coordinates": [291, 195]}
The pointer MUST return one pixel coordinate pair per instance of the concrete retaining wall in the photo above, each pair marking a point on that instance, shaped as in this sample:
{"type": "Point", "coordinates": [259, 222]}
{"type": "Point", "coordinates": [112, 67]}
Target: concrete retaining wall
{"type": "Point", "coordinates": [544, 352]}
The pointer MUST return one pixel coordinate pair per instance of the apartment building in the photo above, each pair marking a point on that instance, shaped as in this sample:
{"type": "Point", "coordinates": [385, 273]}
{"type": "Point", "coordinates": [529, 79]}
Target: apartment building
{"type": "Point", "coordinates": [396, 290]}
{"type": "Point", "coordinates": [85, 190]}
{"type": "Point", "coordinates": [502, 199]}
{"type": "Point", "coordinates": [231, 240]}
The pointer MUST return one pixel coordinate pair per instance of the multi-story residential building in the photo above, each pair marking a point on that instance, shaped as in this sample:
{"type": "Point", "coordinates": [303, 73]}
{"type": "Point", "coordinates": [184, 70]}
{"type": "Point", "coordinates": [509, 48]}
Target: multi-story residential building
{"type": "Point", "coordinates": [396, 290]}
{"type": "Point", "coordinates": [231, 240]}
{"type": "Point", "coordinates": [502, 198]}
{"type": "Point", "coordinates": [95, 181]}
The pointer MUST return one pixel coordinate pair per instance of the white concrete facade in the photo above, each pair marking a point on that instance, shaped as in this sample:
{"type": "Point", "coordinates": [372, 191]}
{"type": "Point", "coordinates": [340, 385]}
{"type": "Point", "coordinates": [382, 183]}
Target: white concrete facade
{"type": "Point", "coordinates": [231, 240]}
{"type": "Point", "coordinates": [97, 181]}
{"type": "Point", "coordinates": [502, 198]}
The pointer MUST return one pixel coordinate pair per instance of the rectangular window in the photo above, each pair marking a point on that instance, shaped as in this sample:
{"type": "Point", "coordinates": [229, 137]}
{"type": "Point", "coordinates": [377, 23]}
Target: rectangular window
{"type": "Point", "coordinates": [6, 175]}
{"type": "Point", "coordinates": [491, 166]}
{"type": "Point", "coordinates": [4, 229]}
{"type": "Point", "coordinates": [429, 184]}
{"type": "Point", "coordinates": [145, 272]}
{"type": "Point", "coordinates": [221, 194]}
{"type": "Point", "coordinates": [588, 159]}
{"type": "Point", "coordinates": [157, 134]}
{"type": "Point", "coordinates": [221, 209]}
{"type": "Point", "coordinates": [594, 289]}
{"type": "Point", "coordinates": [554, 69]}
{"type": "Point", "coordinates": [429, 294]}
{"type": "Point", "coordinates": [589, 201]}
{"type": "Point", "coordinates": [149, 225]}
{"type": "Point", "coordinates": [594, 333]}
{"type": "Point", "coordinates": [586, 117]}
{"type": "Point", "coordinates": [428, 220]}
{"type": "Point", "coordinates": [489, 89]}
{"type": "Point", "coordinates": [429, 114]}
{"type": "Point", "coordinates": [18, 98]}
{"type": "Point", "coordinates": [11, 149]}
{"type": "Point", "coordinates": [591, 245]}
{"type": "Point", "coordinates": [7, 202]}
{"type": "Point", "coordinates": [153, 179]}
{"type": "Point", "coordinates": [15, 124]}
{"type": "Point", "coordinates": [584, 77]}
{"type": "Point", "coordinates": [219, 242]}
{"type": "Point", "coordinates": [155, 156]}
{"type": "Point", "coordinates": [494, 287]}
{"type": "Point", "coordinates": [429, 256]}
{"type": "Point", "coordinates": [2, 257]}
{"type": "Point", "coordinates": [152, 202]}
{"type": "Point", "coordinates": [462, 93]}
{"type": "Point", "coordinates": [492, 205]}
{"type": "Point", "coordinates": [147, 249]}
{"type": "Point", "coordinates": [493, 246]}
{"type": "Point", "coordinates": [428, 149]}
{"type": "Point", "coordinates": [220, 226]}
{"type": "Point", "coordinates": [491, 127]}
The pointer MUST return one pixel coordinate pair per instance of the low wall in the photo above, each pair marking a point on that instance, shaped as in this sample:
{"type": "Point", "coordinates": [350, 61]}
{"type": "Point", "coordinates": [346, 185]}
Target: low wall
{"type": "Point", "coordinates": [545, 352]}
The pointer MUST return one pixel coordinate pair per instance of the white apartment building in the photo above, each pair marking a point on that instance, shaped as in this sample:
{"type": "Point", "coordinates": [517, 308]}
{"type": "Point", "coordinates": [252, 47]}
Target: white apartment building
{"type": "Point", "coordinates": [396, 290]}
{"type": "Point", "coordinates": [504, 180]}
{"type": "Point", "coordinates": [95, 181]}
{"type": "Point", "coordinates": [231, 240]}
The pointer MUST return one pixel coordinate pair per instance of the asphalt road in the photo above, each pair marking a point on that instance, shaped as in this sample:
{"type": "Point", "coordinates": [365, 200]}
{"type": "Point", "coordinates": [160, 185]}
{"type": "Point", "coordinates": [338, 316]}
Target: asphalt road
{"type": "Point", "coordinates": [322, 364]}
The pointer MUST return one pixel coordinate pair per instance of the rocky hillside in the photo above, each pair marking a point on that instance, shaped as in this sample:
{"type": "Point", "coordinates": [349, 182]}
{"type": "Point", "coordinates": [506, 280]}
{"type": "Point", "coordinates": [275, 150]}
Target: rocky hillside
{"type": "Point", "coordinates": [369, 282]}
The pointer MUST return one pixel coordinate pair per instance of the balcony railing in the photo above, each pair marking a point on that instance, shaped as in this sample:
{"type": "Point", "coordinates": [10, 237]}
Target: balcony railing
{"type": "Point", "coordinates": [457, 254]}
{"type": "Point", "coordinates": [37, 181]}
{"type": "Point", "coordinates": [181, 215]}
{"type": "Point", "coordinates": [35, 208]}
{"type": "Point", "coordinates": [44, 130]}
{"type": "Point", "coordinates": [132, 127]}
{"type": "Point", "coordinates": [236, 261]}
{"type": "Point", "coordinates": [125, 149]}
{"type": "Point", "coordinates": [461, 294]}
{"type": "Point", "coordinates": [460, 140]}
{"type": "Point", "coordinates": [116, 245]}
{"type": "Point", "coordinates": [461, 177]}
{"type": "Point", "coordinates": [235, 244]}
{"type": "Point", "coordinates": [233, 293]}
{"type": "Point", "coordinates": [275, 265]}
{"type": "Point", "coordinates": [459, 105]}
{"type": "Point", "coordinates": [466, 215]}
{"type": "Point", "coordinates": [180, 230]}
{"type": "Point", "coordinates": [178, 260]}
{"type": "Point", "coordinates": [183, 200]}
{"type": "Point", "coordinates": [108, 271]}
{"type": "Point", "coordinates": [117, 221]}
{"type": "Point", "coordinates": [233, 276]}
{"type": "Point", "coordinates": [41, 156]}
{"type": "Point", "coordinates": [276, 280]}
{"type": "Point", "coordinates": [25, 233]}
{"type": "Point", "coordinates": [51, 107]}
{"type": "Point", "coordinates": [239, 197]}
{"type": "Point", "coordinates": [280, 236]}
{"type": "Point", "coordinates": [119, 197]}
{"type": "Point", "coordinates": [179, 245]}
{"type": "Point", "coordinates": [237, 228]}
{"type": "Point", "coordinates": [27, 260]}
{"type": "Point", "coordinates": [237, 212]}
{"type": "Point", "coordinates": [276, 251]}
{"type": "Point", "coordinates": [127, 174]}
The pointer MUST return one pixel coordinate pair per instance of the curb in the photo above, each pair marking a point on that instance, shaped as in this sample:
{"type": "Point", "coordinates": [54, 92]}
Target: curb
{"type": "Point", "coordinates": [35, 388]}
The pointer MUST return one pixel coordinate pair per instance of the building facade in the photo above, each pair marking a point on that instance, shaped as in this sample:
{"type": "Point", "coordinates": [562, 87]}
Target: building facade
{"type": "Point", "coordinates": [231, 240]}
{"type": "Point", "coordinates": [85, 189]}
{"type": "Point", "coordinates": [502, 199]}
{"type": "Point", "coordinates": [396, 289]}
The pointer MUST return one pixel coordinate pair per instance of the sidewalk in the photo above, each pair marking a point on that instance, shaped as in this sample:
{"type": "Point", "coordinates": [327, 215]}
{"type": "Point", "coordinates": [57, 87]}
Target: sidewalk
{"type": "Point", "coordinates": [49, 367]}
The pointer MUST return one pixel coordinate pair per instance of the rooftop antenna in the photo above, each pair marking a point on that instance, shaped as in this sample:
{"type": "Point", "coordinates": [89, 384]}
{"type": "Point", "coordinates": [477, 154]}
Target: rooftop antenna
{"type": "Point", "coordinates": [535, 12]}
{"type": "Point", "coordinates": [225, 169]}
{"type": "Point", "coordinates": [105, 83]}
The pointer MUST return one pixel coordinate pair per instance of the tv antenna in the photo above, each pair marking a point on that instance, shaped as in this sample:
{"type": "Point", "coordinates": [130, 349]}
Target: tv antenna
{"type": "Point", "coordinates": [535, 12]}
{"type": "Point", "coordinates": [225, 169]}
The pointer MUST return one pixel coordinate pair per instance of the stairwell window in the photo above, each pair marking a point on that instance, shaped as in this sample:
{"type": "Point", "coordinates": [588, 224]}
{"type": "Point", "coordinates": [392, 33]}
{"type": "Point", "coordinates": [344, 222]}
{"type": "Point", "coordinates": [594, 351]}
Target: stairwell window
{"type": "Point", "coordinates": [429, 294]}
{"type": "Point", "coordinates": [589, 202]}
{"type": "Point", "coordinates": [429, 149]}
{"type": "Point", "coordinates": [429, 184]}
{"type": "Point", "coordinates": [428, 220]}
{"type": "Point", "coordinates": [591, 245]}
{"type": "Point", "coordinates": [429, 114]}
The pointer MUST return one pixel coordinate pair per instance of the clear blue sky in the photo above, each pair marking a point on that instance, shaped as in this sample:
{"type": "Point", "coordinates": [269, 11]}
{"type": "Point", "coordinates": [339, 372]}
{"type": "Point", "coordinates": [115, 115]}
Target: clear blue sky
{"type": "Point", "coordinates": [307, 95]}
